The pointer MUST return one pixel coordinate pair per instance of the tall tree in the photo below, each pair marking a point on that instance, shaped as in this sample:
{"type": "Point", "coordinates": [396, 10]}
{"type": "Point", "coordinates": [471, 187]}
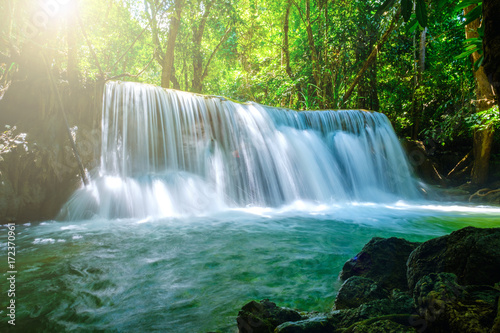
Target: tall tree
{"type": "Point", "coordinates": [483, 137]}
{"type": "Point", "coordinates": [316, 69]}
{"type": "Point", "coordinates": [165, 58]}
{"type": "Point", "coordinates": [286, 48]}
{"type": "Point", "coordinates": [491, 44]}
{"type": "Point", "coordinates": [372, 57]}
{"type": "Point", "coordinates": [71, 27]}
{"type": "Point", "coordinates": [168, 58]}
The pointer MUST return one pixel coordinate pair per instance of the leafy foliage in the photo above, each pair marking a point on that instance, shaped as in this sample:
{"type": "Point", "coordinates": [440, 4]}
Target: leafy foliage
{"type": "Point", "coordinates": [242, 49]}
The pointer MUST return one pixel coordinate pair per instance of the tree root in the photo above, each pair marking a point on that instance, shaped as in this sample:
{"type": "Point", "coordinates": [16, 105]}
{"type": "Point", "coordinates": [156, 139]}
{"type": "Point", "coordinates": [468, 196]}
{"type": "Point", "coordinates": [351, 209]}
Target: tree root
{"type": "Point", "coordinates": [484, 192]}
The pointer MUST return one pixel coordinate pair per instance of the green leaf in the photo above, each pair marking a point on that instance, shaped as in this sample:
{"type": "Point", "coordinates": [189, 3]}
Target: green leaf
{"type": "Point", "coordinates": [465, 54]}
{"type": "Point", "coordinates": [480, 31]}
{"type": "Point", "coordinates": [406, 9]}
{"type": "Point", "coordinates": [412, 26]}
{"type": "Point", "coordinates": [421, 11]}
{"type": "Point", "coordinates": [473, 14]}
{"type": "Point", "coordinates": [385, 6]}
{"type": "Point", "coordinates": [467, 3]}
{"type": "Point", "coordinates": [478, 62]}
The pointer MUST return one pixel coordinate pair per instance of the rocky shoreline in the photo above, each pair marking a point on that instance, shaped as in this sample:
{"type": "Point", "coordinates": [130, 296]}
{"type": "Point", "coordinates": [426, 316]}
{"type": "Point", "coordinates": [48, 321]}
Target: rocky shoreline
{"type": "Point", "coordinates": [447, 284]}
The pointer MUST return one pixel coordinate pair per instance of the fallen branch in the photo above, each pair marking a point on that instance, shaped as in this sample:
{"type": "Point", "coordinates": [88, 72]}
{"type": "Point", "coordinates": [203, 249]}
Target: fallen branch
{"type": "Point", "coordinates": [481, 193]}
{"type": "Point", "coordinates": [464, 163]}
{"type": "Point", "coordinates": [372, 56]}
{"type": "Point", "coordinates": [55, 91]}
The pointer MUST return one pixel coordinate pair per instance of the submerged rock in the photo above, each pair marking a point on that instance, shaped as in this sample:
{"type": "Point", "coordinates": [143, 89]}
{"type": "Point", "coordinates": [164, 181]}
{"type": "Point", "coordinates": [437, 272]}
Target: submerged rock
{"type": "Point", "coordinates": [264, 317]}
{"type": "Point", "coordinates": [382, 260]}
{"type": "Point", "coordinates": [472, 254]}
{"type": "Point", "coordinates": [357, 290]}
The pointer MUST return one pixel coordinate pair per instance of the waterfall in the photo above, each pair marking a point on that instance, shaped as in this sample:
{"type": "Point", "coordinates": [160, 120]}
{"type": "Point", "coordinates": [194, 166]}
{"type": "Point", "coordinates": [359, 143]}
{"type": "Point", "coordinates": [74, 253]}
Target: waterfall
{"type": "Point", "coordinates": [172, 153]}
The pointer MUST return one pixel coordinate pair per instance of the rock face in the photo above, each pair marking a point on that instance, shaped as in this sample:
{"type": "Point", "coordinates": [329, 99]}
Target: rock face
{"type": "Point", "coordinates": [472, 254]}
{"type": "Point", "coordinates": [382, 260]}
{"type": "Point", "coordinates": [264, 317]}
{"type": "Point", "coordinates": [357, 290]}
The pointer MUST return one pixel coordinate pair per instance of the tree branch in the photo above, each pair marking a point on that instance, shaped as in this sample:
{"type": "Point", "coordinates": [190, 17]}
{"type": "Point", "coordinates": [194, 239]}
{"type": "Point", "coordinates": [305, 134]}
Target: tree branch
{"type": "Point", "coordinates": [130, 75]}
{"type": "Point", "coordinates": [224, 38]}
{"type": "Point", "coordinates": [128, 49]}
{"type": "Point", "coordinates": [89, 44]}
{"type": "Point", "coordinates": [158, 51]}
{"type": "Point", "coordinates": [372, 56]}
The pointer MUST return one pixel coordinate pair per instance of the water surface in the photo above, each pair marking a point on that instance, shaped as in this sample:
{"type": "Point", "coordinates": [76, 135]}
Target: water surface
{"type": "Point", "coordinates": [193, 274]}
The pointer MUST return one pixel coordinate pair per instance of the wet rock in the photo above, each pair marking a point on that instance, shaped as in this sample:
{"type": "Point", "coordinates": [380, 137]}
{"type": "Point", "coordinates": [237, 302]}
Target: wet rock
{"type": "Point", "coordinates": [446, 306]}
{"type": "Point", "coordinates": [357, 290]}
{"type": "Point", "coordinates": [382, 326]}
{"type": "Point", "coordinates": [399, 305]}
{"type": "Point", "coordinates": [382, 260]}
{"type": "Point", "coordinates": [264, 317]}
{"type": "Point", "coordinates": [472, 254]}
{"type": "Point", "coordinates": [433, 292]}
{"type": "Point", "coordinates": [319, 324]}
{"type": "Point", "coordinates": [485, 294]}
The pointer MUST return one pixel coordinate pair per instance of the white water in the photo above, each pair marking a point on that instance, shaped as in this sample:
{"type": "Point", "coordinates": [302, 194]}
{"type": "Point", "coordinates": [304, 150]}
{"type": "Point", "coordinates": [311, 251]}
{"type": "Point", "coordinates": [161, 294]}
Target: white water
{"type": "Point", "coordinates": [167, 153]}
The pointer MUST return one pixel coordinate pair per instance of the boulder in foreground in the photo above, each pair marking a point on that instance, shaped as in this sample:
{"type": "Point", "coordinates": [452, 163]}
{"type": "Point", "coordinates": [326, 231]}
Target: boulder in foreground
{"type": "Point", "coordinates": [472, 254]}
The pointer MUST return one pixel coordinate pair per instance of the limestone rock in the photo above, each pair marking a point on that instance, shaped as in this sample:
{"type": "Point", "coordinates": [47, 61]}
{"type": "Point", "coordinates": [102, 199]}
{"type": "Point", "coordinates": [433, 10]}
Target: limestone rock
{"type": "Point", "coordinates": [382, 260]}
{"type": "Point", "coordinates": [472, 254]}
{"type": "Point", "coordinates": [357, 290]}
{"type": "Point", "coordinates": [264, 317]}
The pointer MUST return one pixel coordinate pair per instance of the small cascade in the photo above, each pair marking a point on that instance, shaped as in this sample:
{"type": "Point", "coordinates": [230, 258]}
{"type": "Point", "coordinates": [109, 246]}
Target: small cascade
{"type": "Point", "coordinates": [172, 153]}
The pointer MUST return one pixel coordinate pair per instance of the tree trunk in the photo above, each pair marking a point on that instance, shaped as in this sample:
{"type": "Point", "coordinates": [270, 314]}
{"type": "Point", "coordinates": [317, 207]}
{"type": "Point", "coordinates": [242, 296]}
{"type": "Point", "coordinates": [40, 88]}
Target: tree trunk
{"type": "Point", "coordinates": [286, 49]}
{"type": "Point", "coordinates": [483, 138]}
{"type": "Point", "coordinates": [491, 44]}
{"type": "Point", "coordinates": [168, 60]}
{"type": "Point", "coordinates": [372, 57]}
{"type": "Point", "coordinates": [314, 53]}
{"type": "Point", "coordinates": [197, 83]}
{"type": "Point", "coordinates": [367, 86]}
{"type": "Point", "coordinates": [417, 108]}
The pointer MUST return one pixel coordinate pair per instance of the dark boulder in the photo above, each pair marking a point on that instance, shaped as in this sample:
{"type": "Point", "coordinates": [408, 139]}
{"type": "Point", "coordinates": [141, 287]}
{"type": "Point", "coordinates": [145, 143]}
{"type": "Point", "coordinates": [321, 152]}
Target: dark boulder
{"type": "Point", "coordinates": [264, 317]}
{"type": "Point", "coordinates": [472, 254]}
{"type": "Point", "coordinates": [357, 290]}
{"type": "Point", "coordinates": [382, 260]}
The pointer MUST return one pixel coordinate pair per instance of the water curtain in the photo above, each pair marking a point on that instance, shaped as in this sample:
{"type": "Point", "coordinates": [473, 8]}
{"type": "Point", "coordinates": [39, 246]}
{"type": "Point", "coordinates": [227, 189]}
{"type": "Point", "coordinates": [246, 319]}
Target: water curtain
{"type": "Point", "coordinates": [173, 153]}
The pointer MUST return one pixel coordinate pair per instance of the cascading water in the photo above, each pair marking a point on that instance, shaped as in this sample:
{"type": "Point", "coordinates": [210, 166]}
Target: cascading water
{"type": "Point", "coordinates": [171, 153]}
